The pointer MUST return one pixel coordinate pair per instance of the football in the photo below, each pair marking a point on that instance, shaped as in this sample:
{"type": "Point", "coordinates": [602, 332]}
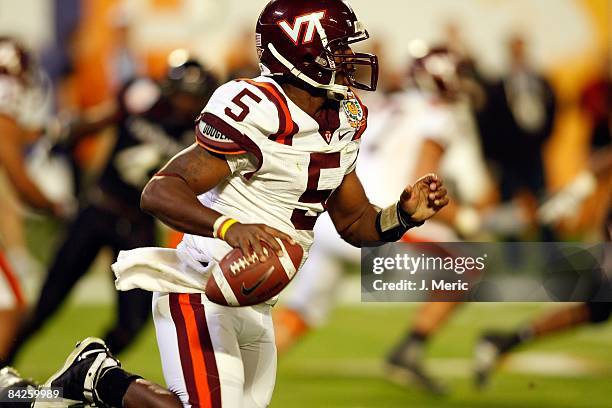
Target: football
{"type": "Point", "coordinates": [243, 280]}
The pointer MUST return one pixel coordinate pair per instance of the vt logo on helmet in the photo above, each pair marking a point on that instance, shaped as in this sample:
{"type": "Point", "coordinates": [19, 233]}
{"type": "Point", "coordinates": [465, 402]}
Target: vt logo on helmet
{"type": "Point", "coordinates": [311, 40]}
{"type": "Point", "coordinates": [310, 20]}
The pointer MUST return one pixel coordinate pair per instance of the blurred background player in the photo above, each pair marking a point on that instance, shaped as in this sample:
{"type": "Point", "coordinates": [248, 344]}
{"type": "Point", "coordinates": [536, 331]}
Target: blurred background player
{"type": "Point", "coordinates": [22, 118]}
{"type": "Point", "coordinates": [153, 122]}
{"type": "Point", "coordinates": [515, 123]}
{"type": "Point", "coordinates": [493, 346]}
{"type": "Point", "coordinates": [447, 83]}
{"type": "Point", "coordinates": [427, 128]}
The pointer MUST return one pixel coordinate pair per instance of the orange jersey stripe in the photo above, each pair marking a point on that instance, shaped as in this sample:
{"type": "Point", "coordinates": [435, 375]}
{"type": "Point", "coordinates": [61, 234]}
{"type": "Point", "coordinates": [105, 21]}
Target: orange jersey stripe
{"type": "Point", "coordinates": [218, 151]}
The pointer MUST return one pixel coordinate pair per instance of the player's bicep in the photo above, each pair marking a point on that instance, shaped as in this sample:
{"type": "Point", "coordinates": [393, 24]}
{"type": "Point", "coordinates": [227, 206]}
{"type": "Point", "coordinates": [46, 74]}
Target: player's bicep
{"type": "Point", "coordinates": [200, 169]}
{"type": "Point", "coordinates": [348, 203]}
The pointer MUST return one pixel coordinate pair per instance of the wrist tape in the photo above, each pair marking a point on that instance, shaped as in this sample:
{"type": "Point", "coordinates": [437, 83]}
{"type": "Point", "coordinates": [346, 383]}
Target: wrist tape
{"type": "Point", "coordinates": [392, 222]}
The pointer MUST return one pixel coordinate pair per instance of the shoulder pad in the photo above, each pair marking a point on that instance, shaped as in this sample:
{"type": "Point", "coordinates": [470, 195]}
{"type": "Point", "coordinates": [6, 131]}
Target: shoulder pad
{"type": "Point", "coordinates": [235, 119]}
{"type": "Point", "coordinates": [286, 127]}
{"type": "Point", "coordinates": [255, 107]}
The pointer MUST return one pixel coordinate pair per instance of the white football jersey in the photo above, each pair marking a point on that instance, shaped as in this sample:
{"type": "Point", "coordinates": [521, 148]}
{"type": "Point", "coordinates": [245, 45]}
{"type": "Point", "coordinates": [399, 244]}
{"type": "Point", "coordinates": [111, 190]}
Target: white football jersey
{"type": "Point", "coordinates": [285, 164]}
{"type": "Point", "coordinates": [393, 144]}
{"type": "Point", "coordinates": [391, 148]}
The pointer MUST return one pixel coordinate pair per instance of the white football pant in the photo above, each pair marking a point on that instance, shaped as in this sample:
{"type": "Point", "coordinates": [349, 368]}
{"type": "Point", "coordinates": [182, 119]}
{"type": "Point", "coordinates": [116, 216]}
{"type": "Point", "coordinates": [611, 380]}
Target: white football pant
{"type": "Point", "coordinates": [215, 356]}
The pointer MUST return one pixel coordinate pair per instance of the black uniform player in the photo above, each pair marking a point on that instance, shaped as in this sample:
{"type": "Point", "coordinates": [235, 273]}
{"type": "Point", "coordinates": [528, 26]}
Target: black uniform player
{"type": "Point", "coordinates": [154, 121]}
{"type": "Point", "coordinates": [493, 345]}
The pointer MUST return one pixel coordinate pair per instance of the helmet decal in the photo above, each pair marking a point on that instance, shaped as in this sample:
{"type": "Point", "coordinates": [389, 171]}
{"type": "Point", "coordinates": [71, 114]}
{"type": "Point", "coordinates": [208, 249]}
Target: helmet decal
{"type": "Point", "coordinates": [311, 20]}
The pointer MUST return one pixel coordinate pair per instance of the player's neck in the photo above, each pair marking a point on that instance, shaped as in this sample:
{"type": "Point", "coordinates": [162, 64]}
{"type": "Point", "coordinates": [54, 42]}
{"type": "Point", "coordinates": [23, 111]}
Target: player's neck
{"type": "Point", "coordinates": [304, 99]}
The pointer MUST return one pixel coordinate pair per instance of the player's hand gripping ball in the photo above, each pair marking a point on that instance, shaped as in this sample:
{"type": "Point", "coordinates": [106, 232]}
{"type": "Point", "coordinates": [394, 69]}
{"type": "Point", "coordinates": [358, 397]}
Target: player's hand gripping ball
{"type": "Point", "coordinates": [244, 280]}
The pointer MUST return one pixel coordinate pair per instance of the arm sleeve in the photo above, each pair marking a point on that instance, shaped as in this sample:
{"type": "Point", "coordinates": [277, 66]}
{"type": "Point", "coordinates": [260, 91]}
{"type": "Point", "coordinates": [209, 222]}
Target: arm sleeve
{"type": "Point", "coordinates": [241, 163]}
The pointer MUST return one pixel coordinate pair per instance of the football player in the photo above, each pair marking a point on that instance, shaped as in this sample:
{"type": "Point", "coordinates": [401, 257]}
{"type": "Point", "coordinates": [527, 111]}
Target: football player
{"type": "Point", "coordinates": [20, 124]}
{"type": "Point", "coordinates": [152, 120]}
{"type": "Point", "coordinates": [271, 154]}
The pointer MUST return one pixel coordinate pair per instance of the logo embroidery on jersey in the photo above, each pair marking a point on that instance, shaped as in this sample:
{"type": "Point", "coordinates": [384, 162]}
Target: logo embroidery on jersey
{"type": "Point", "coordinates": [328, 136]}
{"type": "Point", "coordinates": [354, 113]}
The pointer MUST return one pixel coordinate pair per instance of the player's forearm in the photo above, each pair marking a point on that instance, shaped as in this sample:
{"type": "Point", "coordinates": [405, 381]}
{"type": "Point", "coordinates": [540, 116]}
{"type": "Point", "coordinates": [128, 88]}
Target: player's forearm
{"type": "Point", "coordinates": [363, 232]}
{"type": "Point", "coordinates": [172, 201]}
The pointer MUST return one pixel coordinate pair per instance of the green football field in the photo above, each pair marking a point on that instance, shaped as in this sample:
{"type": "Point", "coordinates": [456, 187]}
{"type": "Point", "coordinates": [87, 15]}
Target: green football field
{"type": "Point", "coordinates": [340, 365]}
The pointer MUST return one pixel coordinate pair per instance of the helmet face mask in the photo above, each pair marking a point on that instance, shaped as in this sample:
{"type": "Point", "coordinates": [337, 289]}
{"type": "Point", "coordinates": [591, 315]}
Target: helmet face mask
{"type": "Point", "coordinates": [311, 41]}
{"type": "Point", "coordinates": [353, 65]}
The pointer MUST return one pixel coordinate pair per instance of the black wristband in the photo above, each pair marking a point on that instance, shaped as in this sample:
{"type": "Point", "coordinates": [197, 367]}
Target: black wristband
{"type": "Point", "coordinates": [392, 222]}
{"type": "Point", "coordinates": [406, 219]}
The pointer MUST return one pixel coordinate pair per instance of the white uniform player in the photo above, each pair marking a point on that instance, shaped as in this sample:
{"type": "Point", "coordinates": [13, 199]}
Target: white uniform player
{"type": "Point", "coordinates": [282, 148]}
{"type": "Point", "coordinates": [404, 123]}
{"type": "Point", "coordinates": [26, 107]}
{"type": "Point", "coordinates": [284, 166]}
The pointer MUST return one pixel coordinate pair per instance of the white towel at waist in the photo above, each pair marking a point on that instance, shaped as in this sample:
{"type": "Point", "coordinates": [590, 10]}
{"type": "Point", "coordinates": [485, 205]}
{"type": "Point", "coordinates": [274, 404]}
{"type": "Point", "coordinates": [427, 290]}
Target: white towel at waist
{"type": "Point", "coordinates": [159, 270]}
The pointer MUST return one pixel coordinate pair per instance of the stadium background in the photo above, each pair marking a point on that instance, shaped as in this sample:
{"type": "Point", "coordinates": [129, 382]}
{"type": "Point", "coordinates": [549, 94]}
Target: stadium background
{"type": "Point", "coordinates": [340, 365]}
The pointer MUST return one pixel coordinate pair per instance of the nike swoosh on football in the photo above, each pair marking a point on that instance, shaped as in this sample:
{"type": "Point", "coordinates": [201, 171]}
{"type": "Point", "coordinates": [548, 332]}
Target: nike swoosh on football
{"type": "Point", "coordinates": [247, 291]}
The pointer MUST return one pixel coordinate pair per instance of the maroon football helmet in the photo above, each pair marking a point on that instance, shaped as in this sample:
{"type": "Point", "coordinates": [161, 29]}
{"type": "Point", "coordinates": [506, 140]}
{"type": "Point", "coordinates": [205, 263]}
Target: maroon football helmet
{"type": "Point", "coordinates": [311, 40]}
{"type": "Point", "coordinates": [14, 60]}
{"type": "Point", "coordinates": [437, 71]}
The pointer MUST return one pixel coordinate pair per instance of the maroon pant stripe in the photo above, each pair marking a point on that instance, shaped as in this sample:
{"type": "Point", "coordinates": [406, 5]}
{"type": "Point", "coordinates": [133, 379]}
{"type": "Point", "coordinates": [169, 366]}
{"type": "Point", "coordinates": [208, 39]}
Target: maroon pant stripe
{"type": "Point", "coordinates": [183, 345]}
{"type": "Point", "coordinates": [207, 349]}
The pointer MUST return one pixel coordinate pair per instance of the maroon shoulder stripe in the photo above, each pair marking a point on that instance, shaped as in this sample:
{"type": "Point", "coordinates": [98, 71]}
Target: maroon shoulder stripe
{"type": "Point", "coordinates": [240, 138]}
{"type": "Point", "coordinates": [217, 145]}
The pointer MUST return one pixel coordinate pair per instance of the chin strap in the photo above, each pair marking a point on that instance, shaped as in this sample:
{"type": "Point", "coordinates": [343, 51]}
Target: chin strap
{"type": "Point", "coordinates": [331, 88]}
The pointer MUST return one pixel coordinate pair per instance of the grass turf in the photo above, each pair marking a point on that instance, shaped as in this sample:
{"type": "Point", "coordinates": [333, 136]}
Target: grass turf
{"type": "Point", "coordinates": [340, 365]}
